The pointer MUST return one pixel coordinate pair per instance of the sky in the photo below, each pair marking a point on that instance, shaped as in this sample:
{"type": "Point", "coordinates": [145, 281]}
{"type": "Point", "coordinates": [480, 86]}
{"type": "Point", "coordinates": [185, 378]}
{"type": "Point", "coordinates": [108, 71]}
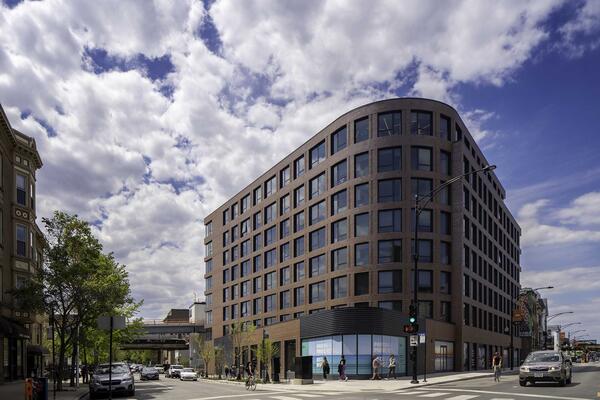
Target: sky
{"type": "Point", "coordinates": [148, 115]}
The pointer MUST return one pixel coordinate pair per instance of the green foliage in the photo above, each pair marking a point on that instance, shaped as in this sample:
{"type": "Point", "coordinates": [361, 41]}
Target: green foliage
{"type": "Point", "coordinates": [266, 351]}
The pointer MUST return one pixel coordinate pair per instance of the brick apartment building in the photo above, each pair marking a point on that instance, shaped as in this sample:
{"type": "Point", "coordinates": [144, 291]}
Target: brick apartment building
{"type": "Point", "coordinates": [317, 252]}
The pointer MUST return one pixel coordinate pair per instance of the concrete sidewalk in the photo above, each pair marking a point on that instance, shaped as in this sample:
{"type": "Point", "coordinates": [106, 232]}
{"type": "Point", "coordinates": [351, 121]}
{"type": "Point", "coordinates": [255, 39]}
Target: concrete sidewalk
{"type": "Point", "coordinates": [359, 385]}
{"type": "Point", "coordinates": [16, 391]}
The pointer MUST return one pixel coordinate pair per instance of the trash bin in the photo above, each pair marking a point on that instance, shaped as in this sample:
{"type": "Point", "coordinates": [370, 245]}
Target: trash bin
{"type": "Point", "coordinates": [40, 388]}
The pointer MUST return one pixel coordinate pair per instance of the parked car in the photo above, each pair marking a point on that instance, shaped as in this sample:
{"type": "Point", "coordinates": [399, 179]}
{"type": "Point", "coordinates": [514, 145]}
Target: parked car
{"type": "Point", "coordinates": [122, 380]}
{"type": "Point", "coordinates": [174, 371]}
{"type": "Point", "coordinates": [188, 374]}
{"type": "Point", "coordinates": [149, 373]}
{"type": "Point", "coordinates": [546, 366]}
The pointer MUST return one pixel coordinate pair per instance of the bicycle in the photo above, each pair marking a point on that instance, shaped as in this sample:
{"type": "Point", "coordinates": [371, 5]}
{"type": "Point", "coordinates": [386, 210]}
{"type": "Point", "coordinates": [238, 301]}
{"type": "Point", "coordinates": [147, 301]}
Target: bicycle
{"type": "Point", "coordinates": [251, 383]}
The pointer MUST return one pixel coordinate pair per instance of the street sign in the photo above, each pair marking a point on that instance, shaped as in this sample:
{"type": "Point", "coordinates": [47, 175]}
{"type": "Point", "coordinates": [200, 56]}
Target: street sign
{"type": "Point", "coordinates": [414, 340]}
{"type": "Point", "coordinates": [421, 338]}
{"type": "Point", "coordinates": [118, 322]}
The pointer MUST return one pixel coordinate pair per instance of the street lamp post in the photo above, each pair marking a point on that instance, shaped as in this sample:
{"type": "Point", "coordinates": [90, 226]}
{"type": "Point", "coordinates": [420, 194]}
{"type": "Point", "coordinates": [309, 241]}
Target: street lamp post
{"type": "Point", "coordinates": [559, 314]}
{"type": "Point", "coordinates": [418, 209]}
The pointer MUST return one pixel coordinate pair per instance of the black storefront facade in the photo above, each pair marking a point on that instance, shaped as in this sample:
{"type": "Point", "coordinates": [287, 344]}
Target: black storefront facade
{"type": "Point", "coordinates": [13, 350]}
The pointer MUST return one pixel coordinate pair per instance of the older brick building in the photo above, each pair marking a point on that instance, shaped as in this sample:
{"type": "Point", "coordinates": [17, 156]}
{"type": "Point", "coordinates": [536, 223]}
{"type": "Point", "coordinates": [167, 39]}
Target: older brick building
{"type": "Point", "coordinates": [317, 250]}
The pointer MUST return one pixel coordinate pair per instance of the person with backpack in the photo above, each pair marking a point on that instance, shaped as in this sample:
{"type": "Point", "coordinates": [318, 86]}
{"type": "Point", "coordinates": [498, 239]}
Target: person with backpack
{"type": "Point", "coordinates": [342, 369]}
{"type": "Point", "coordinates": [325, 366]}
{"type": "Point", "coordinates": [497, 366]}
{"type": "Point", "coordinates": [376, 364]}
{"type": "Point", "coordinates": [392, 366]}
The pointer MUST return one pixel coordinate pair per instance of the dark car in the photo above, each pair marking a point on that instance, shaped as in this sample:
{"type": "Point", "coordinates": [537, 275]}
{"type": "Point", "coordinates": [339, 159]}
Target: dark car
{"type": "Point", "coordinates": [149, 373]}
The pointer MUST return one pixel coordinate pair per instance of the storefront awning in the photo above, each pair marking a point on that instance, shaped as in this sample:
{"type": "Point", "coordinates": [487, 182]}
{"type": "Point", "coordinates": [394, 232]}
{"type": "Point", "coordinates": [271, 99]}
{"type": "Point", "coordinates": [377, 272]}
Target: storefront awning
{"type": "Point", "coordinates": [34, 348]}
{"type": "Point", "coordinates": [12, 328]}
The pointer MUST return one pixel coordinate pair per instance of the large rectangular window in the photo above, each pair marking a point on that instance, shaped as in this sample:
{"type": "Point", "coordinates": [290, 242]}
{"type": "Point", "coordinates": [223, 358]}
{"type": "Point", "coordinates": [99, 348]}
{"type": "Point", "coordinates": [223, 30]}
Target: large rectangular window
{"type": "Point", "coordinates": [389, 159]}
{"type": "Point", "coordinates": [317, 154]}
{"type": "Point", "coordinates": [317, 265]}
{"type": "Point", "coordinates": [257, 195]}
{"type": "Point", "coordinates": [361, 224]}
{"type": "Point", "coordinates": [425, 250]}
{"type": "Point", "coordinates": [270, 280]}
{"type": "Point", "coordinates": [21, 240]}
{"type": "Point", "coordinates": [425, 280]}
{"type": "Point", "coordinates": [389, 124]}
{"type": "Point", "coordinates": [361, 254]}
{"type": "Point", "coordinates": [299, 196]}
{"type": "Point", "coordinates": [389, 282]}
{"type": "Point", "coordinates": [299, 221]}
{"type": "Point", "coordinates": [270, 186]}
{"type": "Point", "coordinates": [284, 204]}
{"type": "Point", "coordinates": [421, 158]}
{"type": "Point", "coordinates": [317, 292]}
{"type": "Point", "coordinates": [285, 176]}
{"type": "Point", "coordinates": [317, 239]}
{"type": "Point", "coordinates": [425, 223]}
{"type": "Point", "coordinates": [270, 236]}
{"type": "Point", "coordinates": [421, 186]}
{"type": "Point", "coordinates": [361, 165]}
{"type": "Point", "coordinates": [361, 130]}
{"type": "Point", "coordinates": [445, 163]}
{"type": "Point", "coordinates": [285, 300]}
{"type": "Point", "coordinates": [339, 140]}
{"type": "Point", "coordinates": [389, 190]}
{"type": "Point", "coordinates": [317, 213]}
{"type": "Point", "coordinates": [284, 228]}
{"type": "Point", "coordinates": [445, 282]}
{"type": "Point", "coordinates": [299, 246]}
{"type": "Point", "coordinates": [299, 296]}
{"type": "Point", "coordinates": [389, 251]}
{"type": "Point", "coordinates": [339, 202]}
{"type": "Point", "coordinates": [270, 258]}
{"type": "Point", "coordinates": [445, 223]}
{"type": "Point", "coordinates": [361, 283]}
{"type": "Point", "coordinates": [339, 287]}
{"type": "Point", "coordinates": [420, 123]}
{"type": "Point", "coordinates": [299, 167]}
{"type": "Point", "coordinates": [445, 253]}
{"type": "Point", "coordinates": [339, 173]}
{"type": "Point", "coordinates": [390, 221]}
{"type": "Point", "coordinates": [426, 309]}
{"type": "Point", "coordinates": [317, 186]}
{"type": "Point", "coordinates": [270, 213]}
{"type": "Point", "coordinates": [299, 271]}
{"type": "Point", "coordinates": [339, 259]}
{"type": "Point", "coordinates": [339, 231]}
{"type": "Point", "coordinates": [361, 195]}
{"type": "Point", "coordinates": [270, 303]}
{"type": "Point", "coordinates": [445, 131]}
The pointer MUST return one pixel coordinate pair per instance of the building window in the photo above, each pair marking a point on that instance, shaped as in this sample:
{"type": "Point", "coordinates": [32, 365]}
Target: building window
{"type": "Point", "coordinates": [339, 140]}
{"type": "Point", "coordinates": [445, 131]}
{"type": "Point", "coordinates": [361, 165]}
{"type": "Point", "coordinates": [21, 190]}
{"type": "Point", "coordinates": [444, 194]}
{"type": "Point", "coordinates": [339, 230]}
{"type": "Point", "coordinates": [425, 280]}
{"type": "Point", "coordinates": [257, 242]}
{"type": "Point", "coordinates": [361, 224]}
{"type": "Point", "coordinates": [445, 308]}
{"type": "Point", "coordinates": [245, 268]}
{"type": "Point", "coordinates": [244, 288]}
{"type": "Point", "coordinates": [317, 292]}
{"type": "Point", "coordinates": [209, 283]}
{"type": "Point", "coordinates": [389, 124]}
{"type": "Point", "coordinates": [390, 221]}
{"type": "Point", "coordinates": [299, 196]}
{"type": "Point", "coordinates": [421, 159]}
{"type": "Point", "coordinates": [209, 266]}
{"type": "Point", "coordinates": [339, 287]}
{"type": "Point", "coordinates": [317, 265]}
{"type": "Point", "coordinates": [316, 239]}
{"type": "Point", "coordinates": [225, 238]}
{"type": "Point", "coordinates": [244, 309]}
{"type": "Point", "coordinates": [339, 202]}
{"type": "Point", "coordinates": [285, 176]}
{"type": "Point", "coordinates": [245, 227]}
{"type": "Point", "coordinates": [234, 235]}
{"type": "Point", "coordinates": [389, 190]}
{"type": "Point", "coordinates": [257, 195]}
{"type": "Point", "coordinates": [270, 258]}
{"type": "Point", "coordinates": [426, 309]}
{"type": "Point", "coordinates": [269, 305]}
{"type": "Point", "coordinates": [284, 204]}
{"type": "Point", "coordinates": [394, 305]}
{"type": "Point", "coordinates": [284, 252]}
{"type": "Point", "coordinates": [257, 220]}
{"type": "Point", "coordinates": [299, 296]}
{"type": "Point", "coordinates": [445, 223]}
{"type": "Point", "coordinates": [421, 187]}
{"type": "Point", "coordinates": [299, 221]}
{"type": "Point", "coordinates": [389, 251]}
{"type": "Point", "coordinates": [389, 282]}
{"type": "Point", "coordinates": [361, 130]}
{"type": "Point", "coordinates": [339, 173]}
{"type": "Point", "coordinates": [445, 163]}
{"type": "Point", "coordinates": [299, 167]}
{"type": "Point", "coordinates": [245, 248]}
{"type": "Point", "coordinates": [389, 159]}
{"type": "Point", "coordinates": [317, 154]}
{"type": "Point", "coordinates": [317, 213]}
{"type": "Point", "coordinates": [299, 271]}
{"type": "Point", "coordinates": [270, 280]}
{"type": "Point", "coordinates": [420, 123]}
{"type": "Point", "coordinates": [245, 203]}
{"type": "Point", "coordinates": [270, 213]}
{"type": "Point", "coordinates": [225, 217]}
{"type": "Point", "coordinates": [361, 254]}
{"type": "Point", "coordinates": [257, 305]}
{"type": "Point", "coordinates": [285, 276]}
{"type": "Point", "coordinates": [226, 275]}
{"type": "Point", "coordinates": [208, 229]}
{"type": "Point", "coordinates": [425, 250]}
{"type": "Point", "coordinates": [208, 249]}
{"type": "Point", "coordinates": [257, 284]}
{"type": "Point", "coordinates": [270, 236]}
{"type": "Point", "coordinates": [361, 283]}
{"type": "Point", "coordinates": [284, 228]}
{"type": "Point", "coordinates": [445, 253]}
{"type": "Point", "coordinates": [339, 259]}
{"type": "Point", "coordinates": [270, 186]}
{"type": "Point", "coordinates": [225, 257]}
{"type": "Point", "coordinates": [257, 263]}
{"type": "Point", "coordinates": [317, 186]}
{"type": "Point", "coordinates": [425, 223]}
{"type": "Point", "coordinates": [361, 195]}
{"type": "Point", "coordinates": [299, 246]}
{"type": "Point", "coordinates": [234, 211]}
{"type": "Point", "coordinates": [445, 282]}
{"type": "Point", "coordinates": [284, 300]}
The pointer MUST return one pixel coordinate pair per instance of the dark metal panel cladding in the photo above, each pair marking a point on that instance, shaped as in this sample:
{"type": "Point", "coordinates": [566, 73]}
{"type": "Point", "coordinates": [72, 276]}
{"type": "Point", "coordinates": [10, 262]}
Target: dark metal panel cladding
{"type": "Point", "coordinates": [347, 321]}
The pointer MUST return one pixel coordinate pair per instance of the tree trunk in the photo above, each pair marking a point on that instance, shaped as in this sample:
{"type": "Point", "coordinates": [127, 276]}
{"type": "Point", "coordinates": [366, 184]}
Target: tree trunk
{"type": "Point", "coordinates": [61, 362]}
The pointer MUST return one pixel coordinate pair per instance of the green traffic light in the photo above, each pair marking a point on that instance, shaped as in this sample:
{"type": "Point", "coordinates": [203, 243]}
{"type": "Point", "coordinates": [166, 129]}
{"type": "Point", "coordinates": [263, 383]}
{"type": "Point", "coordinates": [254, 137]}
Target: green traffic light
{"type": "Point", "coordinates": [412, 320]}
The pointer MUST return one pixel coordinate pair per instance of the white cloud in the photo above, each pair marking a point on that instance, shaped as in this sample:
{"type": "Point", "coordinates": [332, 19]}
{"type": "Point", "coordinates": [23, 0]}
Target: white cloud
{"type": "Point", "coordinates": [564, 280]}
{"type": "Point", "coordinates": [586, 26]}
{"type": "Point", "coordinates": [584, 210]}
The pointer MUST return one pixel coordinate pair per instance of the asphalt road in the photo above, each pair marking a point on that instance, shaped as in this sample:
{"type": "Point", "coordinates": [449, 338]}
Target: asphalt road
{"type": "Point", "coordinates": [586, 385]}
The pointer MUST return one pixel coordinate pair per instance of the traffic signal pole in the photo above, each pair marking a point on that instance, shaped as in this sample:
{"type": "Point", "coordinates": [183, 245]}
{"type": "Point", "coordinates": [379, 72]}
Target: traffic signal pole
{"type": "Point", "coordinates": [414, 312]}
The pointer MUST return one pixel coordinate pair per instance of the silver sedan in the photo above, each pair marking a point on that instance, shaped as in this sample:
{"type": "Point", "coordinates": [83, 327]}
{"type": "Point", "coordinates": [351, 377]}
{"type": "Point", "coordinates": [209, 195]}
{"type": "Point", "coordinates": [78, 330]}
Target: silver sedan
{"type": "Point", "coordinates": [546, 366]}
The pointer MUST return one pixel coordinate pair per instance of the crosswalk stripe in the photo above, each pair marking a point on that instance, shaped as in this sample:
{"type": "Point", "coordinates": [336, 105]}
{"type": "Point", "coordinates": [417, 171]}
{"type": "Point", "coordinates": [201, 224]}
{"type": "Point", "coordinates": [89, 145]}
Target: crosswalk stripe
{"type": "Point", "coordinates": [308, 395]}
{"type": "Point", "coordinates": [437, 394]}
{"type": "Point", "coordinates": [283, 398]}
{"type": "Point", "coordinates": [502, 398]}
{"type": "Point", "coordinates": [462, 397]}
{"type": "Point", "coordinates": [409, 393]}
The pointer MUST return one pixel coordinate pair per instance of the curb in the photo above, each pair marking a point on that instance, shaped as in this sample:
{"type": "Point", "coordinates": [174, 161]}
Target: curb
{"type": "Point", "coordinates": [467, 378]}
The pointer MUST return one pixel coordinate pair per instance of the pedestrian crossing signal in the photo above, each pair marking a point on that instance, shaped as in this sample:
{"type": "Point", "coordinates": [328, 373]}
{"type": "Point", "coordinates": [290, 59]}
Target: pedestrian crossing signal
{"type": "Point", "coordinates": [411, 328]}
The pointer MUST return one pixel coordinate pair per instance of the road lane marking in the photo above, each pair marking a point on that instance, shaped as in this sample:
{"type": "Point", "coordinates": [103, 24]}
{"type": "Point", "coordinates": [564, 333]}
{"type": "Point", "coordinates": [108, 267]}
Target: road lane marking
{"type": "Point", "coordinates": [502, 398]}
{"type": "Point", "coordinates": [463, 397]}
{"type": "Point", "coordinates": [229, 396]}
{"type": "Point", "coordinates": [539, 396]}
{"type": "Point", "coordinates": [283, 398]}
{"type": "Point", "coordinates": [308, 395]}
{"type": "Point", "coordinates": [409, 393]}
{"type": "Point", "coordinates": [437, 394]}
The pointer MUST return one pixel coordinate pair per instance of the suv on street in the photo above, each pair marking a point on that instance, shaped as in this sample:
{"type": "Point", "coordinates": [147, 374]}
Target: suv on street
{"type": "Point", "coordinates": [546, 366]}
{"type": "Point", "coordinates": [174, 371]}
{"type": "Point", "coordinates": [122, 380]}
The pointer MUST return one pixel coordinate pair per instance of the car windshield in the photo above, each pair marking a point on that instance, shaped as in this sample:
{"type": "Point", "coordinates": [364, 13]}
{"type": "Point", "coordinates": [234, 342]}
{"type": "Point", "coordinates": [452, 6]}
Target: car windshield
{"type": "Point", "coordinates": [116, 369]}
{"type": "Point", "coordinates": [176, 367]}
{"type": "Point", "coordinates": [149, 369]}
{"type": "Point", "coordinates": [542, 358]}
{"type": "Point", "coordinates": [188, 370]}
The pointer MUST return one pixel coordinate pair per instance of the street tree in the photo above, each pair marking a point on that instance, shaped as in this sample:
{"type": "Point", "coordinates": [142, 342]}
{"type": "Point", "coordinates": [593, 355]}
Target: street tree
{"type": "Point", "coordinates": [219, 360]}
{"type": "Point", "coordinates": [206, 351]}
{"type": "Point", "coordinates": [241, 334]}
{"type": "Point", "coordinates": [266, 351]}
{"type": "Point", "coordinates": [76, 284]}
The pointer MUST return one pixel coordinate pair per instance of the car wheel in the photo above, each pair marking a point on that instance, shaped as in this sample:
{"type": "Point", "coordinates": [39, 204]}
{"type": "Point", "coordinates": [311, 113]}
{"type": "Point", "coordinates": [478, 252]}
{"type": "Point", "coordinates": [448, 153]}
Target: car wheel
{"type": "Point", "coordinates": [131, 392]}
{"type": "Point", "coordinates": [570, 378]}
{"type": "Point", "coordinates": [522, 382]}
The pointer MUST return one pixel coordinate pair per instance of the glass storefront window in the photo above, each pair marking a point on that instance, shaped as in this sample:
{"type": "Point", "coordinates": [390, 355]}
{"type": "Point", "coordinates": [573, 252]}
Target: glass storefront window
{"type": "Point", "coordinates": [444, 356]}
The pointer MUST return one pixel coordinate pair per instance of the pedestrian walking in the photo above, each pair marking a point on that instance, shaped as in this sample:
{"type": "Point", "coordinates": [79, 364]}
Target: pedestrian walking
{"type": "Point", "coordinates": [497, 366]}
{"type": "Point", "coordinates": [226, 372]}
{"type": "Point", "coordinates": [392, 367]}
{"type": "Point", "coordinates": [342, 369]}
{"type": "Point", "coordinates": [84, 373]}
{"type": "Point", "coordinates": [325, 367]}
{"type": "Point", "coordinates": [376, 364]}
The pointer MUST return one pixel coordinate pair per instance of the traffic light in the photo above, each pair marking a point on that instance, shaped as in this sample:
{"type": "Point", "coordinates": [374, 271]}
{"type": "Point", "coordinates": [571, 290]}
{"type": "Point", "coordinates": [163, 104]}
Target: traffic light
{"type": "Point", "coordinates": [411, 328]}
{"type": "Point", "coordinates": [412, 314]}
